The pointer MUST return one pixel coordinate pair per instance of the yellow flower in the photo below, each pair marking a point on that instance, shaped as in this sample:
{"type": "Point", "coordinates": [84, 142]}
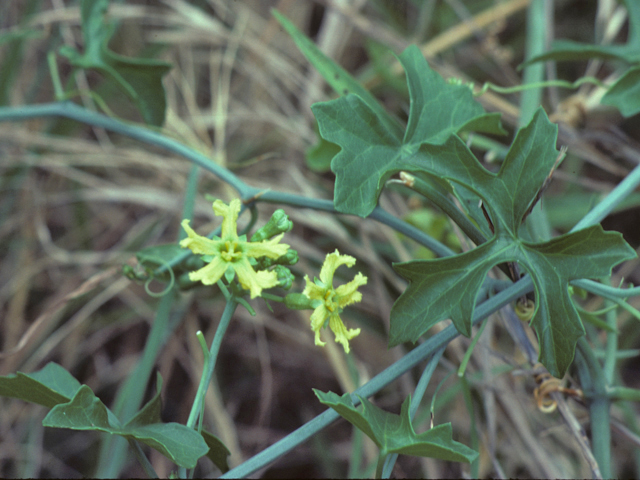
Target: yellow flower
{"type": "Point", "coordinates": [231, 251]}
{"type": "Point", "coordinates": [332, 301]}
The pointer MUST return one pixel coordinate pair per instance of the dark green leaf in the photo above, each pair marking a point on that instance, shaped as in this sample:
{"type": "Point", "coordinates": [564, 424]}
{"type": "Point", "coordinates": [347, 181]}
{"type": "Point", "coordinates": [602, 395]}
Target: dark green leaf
{"type": "Point", "coordinates": [49, 387]}
{"type": "Point", "coordinates": [395, 434]}
{"type": "Point", "coordinates": [625, 93]}
{"type": "Point", "coordinates": [447, 287]}
{"type": "Point", "coordinates": [218, 452]}
{"type": "Point", "coordinates": [371, 153]}
{"type": "Point", "coordinates": [85, 411]}
{"type": "Point", "coordinates": [139, 78]}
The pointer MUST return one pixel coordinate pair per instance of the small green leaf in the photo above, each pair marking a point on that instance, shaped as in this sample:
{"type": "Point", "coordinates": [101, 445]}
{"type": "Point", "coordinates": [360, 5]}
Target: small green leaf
{"type": "Point", "coordinates": [625, 93]}
{"type": "Point", "coordinates": [139, 78]}
{"type": "Point", "coordinates": [85, 411]}
{"type": "Point", "coordinates": [49, 387]}
{"type": "Point", "coordinates": [447, 287]}
{"type": "Point", "coordinates": [395, 434]}
{"type": "Point", "coordinates": [371, 153]}
{"type": "Point", "coordinates": [218, 452]}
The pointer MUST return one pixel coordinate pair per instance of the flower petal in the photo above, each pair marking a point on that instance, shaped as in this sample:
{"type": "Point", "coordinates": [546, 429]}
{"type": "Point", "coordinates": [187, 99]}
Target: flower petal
{"type": "Point", "coordinates": [267, 248]}
{"type": "Point", "coordinates": [211, 273]}
{"type": "Point", "coordinates": [197, 243]}
{"type": "Point", "coordinates": [252, 280]}
{"type": "Point", "coordinates": [313, 291]}
{"type": "Point", "coordinates": [342, 334]}
{"type": "Point", "coordinates": [331, 263]}
{"type": "Point", "coordinates": [229, 213]}
{"type": "Point", "coordinates": [347, 294]}
{"type": "Point", "coordinates": [318, 318]}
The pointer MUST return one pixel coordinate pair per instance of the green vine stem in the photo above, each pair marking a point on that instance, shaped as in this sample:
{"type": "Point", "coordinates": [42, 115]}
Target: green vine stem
{"type": "Point", "coordinates": [595, 390]}
{"type": "Point", "coordinates": [538, 85]}
{"type": "Point", "coordinates": [207, 372]}
{"type": "Point", "coordinates": [210, 363]}
{"type": "Point", "coordinates": [624, 393]}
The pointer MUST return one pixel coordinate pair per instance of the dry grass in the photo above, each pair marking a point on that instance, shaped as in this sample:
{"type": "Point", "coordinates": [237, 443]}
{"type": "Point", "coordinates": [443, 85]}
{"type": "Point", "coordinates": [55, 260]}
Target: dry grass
{"type": "Point", "coordinates": [77, 202]}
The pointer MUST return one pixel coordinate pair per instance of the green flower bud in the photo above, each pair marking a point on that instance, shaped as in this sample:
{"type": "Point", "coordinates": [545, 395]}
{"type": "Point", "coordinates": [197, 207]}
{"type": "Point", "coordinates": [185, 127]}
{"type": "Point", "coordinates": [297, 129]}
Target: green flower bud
{"type": "Point", "coordinates": [285, 277]}
{"type": "Point", "coordinates": [279, 223]}
{"type": "Point", "coordinates": [289, 258]}
{"type": "Point", "coordinates": [298, 301]}
{"type": "Point", "coordinates": [136, 273]}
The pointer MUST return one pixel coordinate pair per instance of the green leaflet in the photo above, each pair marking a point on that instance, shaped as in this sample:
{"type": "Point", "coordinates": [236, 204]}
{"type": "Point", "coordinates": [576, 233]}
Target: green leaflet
{"type": "Point", "coordinates": [139, 78]}
{"type": "Point", "coordinates": [76, 407]}
{"type": "Point", "coordinates": [371, 153]}
{"type": "Point", "coordinates": [447, 287]}
{"type": "Point", "coordinates": [395, 434]}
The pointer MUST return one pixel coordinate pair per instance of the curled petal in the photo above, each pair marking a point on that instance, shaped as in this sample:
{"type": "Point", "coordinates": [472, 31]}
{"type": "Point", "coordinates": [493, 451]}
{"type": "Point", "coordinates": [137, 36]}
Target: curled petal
{"type": "Point", "coordinates": [342, 334]}
{"type": "Point", "coordinates": [198, 244]}
{"type": "Point", "coordinates": [252, 280]}
{"type": "Point", "coordinates": [266, 248]}
{"type": "Point", "coordinates": [331, 263]}
{"type": "Point", "coordinates": [313, 291]}
{"type": "Point", "coordinates": [229, 213]}
{"type": "Point", "coordinates": [318, 317]}
{"type": "Point", "coordinates": [211, 273]}
{"type": "Point", "coordinates": [348, 294]}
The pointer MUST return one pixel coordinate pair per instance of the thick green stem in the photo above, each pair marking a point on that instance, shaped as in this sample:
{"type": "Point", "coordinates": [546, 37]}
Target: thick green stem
{"type": "Point", "coordinates": [537, 222]}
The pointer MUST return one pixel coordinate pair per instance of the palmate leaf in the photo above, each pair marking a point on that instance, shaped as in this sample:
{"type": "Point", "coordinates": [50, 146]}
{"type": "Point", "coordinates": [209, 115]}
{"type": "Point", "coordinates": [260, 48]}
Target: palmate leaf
{"type": "Point", "coordinates": [448, 287]}
{"type": "Point", "coordinates": [371, 152]}
{"type": "Point", "coordinates": [395, 434]}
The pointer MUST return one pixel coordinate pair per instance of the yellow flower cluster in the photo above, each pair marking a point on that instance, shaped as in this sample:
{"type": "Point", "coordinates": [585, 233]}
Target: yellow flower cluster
{"type": "Point", "coordinates": [232, 252]}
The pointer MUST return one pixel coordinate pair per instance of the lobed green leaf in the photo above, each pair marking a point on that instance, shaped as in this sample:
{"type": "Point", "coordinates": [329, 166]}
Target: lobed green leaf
{"type": "Point", "coordinates": [371, 153]}
{"type": "Point", "coordinates": [49, 387]}
{"type": "Point", "coordinates": [395, 434]}
{"type": "Point", "coordinates": [448, 287]}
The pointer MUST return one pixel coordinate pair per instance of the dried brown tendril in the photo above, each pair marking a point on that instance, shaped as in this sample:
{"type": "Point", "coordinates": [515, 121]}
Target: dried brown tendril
{"type": "Point", "coordinates": [547, 384]}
